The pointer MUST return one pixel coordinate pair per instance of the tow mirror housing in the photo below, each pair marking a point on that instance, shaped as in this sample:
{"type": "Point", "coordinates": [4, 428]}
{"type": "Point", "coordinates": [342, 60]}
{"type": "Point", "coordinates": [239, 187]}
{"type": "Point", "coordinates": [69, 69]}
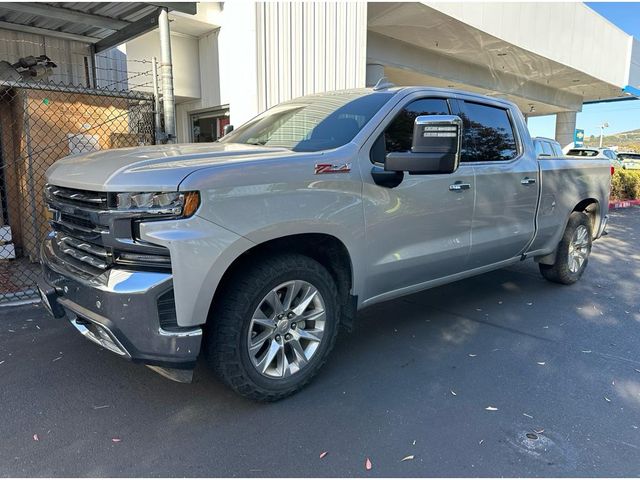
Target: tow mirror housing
{"type": "Point", "coordinates": [437, 141]}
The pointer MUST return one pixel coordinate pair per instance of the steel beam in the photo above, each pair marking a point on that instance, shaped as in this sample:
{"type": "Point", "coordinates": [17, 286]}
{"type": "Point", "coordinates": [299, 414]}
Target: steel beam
{"type": "Point", "coordinates": [50, 33]}
{"type": "Point", "coordinates": [184, 7]}
{"type": "Point", "coordinates": [131, 31]}
{"type": "Point", "coordinates": [65, 14]}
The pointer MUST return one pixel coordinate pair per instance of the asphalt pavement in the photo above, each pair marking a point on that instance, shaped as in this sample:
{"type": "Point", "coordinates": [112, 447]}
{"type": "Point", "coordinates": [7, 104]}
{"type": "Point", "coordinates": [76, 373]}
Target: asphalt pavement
{"type": "Point", "coordinates": [504, 374]}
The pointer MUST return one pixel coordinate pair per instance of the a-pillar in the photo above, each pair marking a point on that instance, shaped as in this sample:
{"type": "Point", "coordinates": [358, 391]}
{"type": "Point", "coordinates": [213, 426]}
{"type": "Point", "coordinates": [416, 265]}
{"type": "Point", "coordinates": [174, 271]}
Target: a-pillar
{"type": "Point", "coordinates": [565, 128]}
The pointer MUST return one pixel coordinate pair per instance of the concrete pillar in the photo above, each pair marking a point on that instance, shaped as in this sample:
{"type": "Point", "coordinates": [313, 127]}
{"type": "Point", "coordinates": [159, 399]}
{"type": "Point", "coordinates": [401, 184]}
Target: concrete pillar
{"type": "Point", "coordinates": [375, 71]}
{"type": "Point", "coordinates": [565, 128]}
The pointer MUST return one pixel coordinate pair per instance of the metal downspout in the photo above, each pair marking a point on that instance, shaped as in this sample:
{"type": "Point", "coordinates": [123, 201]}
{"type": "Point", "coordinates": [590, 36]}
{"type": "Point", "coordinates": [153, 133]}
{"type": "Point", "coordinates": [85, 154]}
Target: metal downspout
{"type": "Point", "coordinates": [166, 68]}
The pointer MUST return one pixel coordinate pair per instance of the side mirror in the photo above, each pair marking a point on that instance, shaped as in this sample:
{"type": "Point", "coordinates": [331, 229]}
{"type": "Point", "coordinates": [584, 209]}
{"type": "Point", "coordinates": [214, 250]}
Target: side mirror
{"type": "Point", "coordinates": [227, 129]}
{"type": "Point", "coordinates": [437, 141]}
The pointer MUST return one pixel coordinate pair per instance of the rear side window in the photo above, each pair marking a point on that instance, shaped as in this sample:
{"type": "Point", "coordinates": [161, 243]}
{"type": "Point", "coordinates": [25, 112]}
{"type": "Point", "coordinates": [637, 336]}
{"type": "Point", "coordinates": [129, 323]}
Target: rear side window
{"type": "Point", "coordinates": [546, 147]}
{"type": "Point", "coordinates": [538, 145]}
{"type": "Point", "coordinates": [399, 134]}
{"type": "Point", "coordinates": [582, 153]}
{"type": "Point", "coordinates": [557, 151]}
{"type": "Point", "coordinates": [487, 134]}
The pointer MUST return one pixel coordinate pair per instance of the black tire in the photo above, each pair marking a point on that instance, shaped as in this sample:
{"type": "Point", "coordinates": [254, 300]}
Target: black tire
{"type": "Point", "coordinates": [560, 271]}
{"type": "Point", "coordinates": [226, 344]}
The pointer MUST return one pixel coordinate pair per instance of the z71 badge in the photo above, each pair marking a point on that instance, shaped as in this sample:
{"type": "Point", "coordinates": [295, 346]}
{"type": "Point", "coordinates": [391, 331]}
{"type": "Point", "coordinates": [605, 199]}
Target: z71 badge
{"type": "Point", "coordinates": [330, 168]}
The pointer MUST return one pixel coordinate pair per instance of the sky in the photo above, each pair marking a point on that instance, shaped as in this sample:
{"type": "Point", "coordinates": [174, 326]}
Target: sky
{"type": "Point", "coordinates": [621, 116]}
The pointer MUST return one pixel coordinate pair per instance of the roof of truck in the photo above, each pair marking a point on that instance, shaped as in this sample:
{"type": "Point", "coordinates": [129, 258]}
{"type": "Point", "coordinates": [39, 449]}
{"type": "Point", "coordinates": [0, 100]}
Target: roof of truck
{"type": "Point", "coordinates": [416, 88]}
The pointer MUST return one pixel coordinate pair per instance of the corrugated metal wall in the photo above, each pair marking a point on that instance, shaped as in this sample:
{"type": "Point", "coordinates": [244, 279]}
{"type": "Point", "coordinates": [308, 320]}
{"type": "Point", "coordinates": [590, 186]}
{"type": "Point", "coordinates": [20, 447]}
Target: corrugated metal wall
{"type": "Point", "coordinates": [309, 47]}
{"type": "Point", "coordinates": [72, 59]}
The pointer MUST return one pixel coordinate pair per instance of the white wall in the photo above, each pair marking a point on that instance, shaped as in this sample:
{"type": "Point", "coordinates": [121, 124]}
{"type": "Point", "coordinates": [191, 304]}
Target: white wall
{"type": "Point", "coordinates": [184, 56]}
{"type": "Point", "coordinates": [308, 47]}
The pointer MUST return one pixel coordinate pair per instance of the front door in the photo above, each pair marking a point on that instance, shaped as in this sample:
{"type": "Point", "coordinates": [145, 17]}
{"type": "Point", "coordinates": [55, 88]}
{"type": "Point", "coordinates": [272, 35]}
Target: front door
{"type": "Point", "coordinates": [506, 183]}
{"type": "Point", "coordinates": [419, 230]}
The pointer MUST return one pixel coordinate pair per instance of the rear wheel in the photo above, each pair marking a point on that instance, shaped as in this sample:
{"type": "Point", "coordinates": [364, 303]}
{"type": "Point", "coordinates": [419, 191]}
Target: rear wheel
{"type": "Point", "coordinates": [573, 252]}
{"type": "Point", "coordinates": [273, 327]}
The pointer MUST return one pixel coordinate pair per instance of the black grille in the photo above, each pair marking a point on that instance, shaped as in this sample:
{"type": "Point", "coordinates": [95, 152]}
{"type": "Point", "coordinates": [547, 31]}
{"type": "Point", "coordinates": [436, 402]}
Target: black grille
{"type": "Point", "coordinates": [167, 311]}
{"type": "Point", "coordinates": [77, 221]}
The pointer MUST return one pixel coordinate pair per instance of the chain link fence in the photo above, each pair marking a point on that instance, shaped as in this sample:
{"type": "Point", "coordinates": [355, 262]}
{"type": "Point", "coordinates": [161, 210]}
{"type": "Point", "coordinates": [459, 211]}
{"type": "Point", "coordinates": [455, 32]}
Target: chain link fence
{"type": "Point", "coordinates": [41, 121]}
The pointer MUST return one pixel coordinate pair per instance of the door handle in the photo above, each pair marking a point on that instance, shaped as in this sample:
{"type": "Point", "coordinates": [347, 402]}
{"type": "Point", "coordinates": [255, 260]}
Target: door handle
{"type": "Point", "coordinates": [528, 181]}
{"type": "Point", "coordinates": [456, 187]}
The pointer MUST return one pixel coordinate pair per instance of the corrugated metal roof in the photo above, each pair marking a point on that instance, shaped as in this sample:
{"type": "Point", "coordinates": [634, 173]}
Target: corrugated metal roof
{"type": "Point", "coordinates": [92, 20]}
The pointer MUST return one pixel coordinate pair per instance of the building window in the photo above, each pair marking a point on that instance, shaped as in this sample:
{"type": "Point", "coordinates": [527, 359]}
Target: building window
{"type": "Point", "coordinates": [208, 126]}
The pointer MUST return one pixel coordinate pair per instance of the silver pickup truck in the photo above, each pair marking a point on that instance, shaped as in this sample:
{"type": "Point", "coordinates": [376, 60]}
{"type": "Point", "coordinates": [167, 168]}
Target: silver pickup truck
{"type": "Point", "coordinates": [255, 249]}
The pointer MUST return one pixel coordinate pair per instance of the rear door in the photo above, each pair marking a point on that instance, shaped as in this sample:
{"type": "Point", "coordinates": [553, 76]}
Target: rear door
{"type": "Point", "coordinates": [506, 181]}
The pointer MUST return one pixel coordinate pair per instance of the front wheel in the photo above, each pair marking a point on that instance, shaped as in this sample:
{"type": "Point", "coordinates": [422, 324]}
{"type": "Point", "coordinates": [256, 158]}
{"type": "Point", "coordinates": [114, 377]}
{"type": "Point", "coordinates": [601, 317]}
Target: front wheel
{"type": "Point", "coordinates": [573, 252]}
{"type": "Point", "coordinates": [273, 326]}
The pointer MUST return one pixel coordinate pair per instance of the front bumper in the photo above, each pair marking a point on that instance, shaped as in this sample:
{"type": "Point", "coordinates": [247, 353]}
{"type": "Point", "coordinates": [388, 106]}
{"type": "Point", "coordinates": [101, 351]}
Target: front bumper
{"type": "Point", "coordinates": [118, 310]}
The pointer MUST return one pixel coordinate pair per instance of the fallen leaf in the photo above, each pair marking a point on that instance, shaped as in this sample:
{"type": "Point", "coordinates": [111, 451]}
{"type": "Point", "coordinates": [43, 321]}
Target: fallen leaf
{"type": "Point", "coordinates": [116, 440]}
{"type": "Point", "coordinates": [527, 415]}
{"type": "Point", "coordinates": [491, 409]}
{"type": "Point", "coordinates": [453, 393]}
{"type": "Point", "coordinates": [480, 442]}
{"type": "Point", "coordinates": [35, 437]}
{"type": "Point", "coordinates": [529, 303]}
{"type": "Point", "coordinates": [98, 407]}
{"type": "Point", "coordinates": [56, 359]}
{"type": "Point", "coordinates": [414, 442]}
{"type": "Point", "coordinates": [408, 457]}
{"type": "Point", "coordinates": [541, 363]}
{"type": "Point", "coordinates": [367, 464]}
{"type": "Point", "coordinates": [323, 454]}
{"type": "Point", "coordinates": [2, 362]}
{"type": "Point", "coordinates": [637, 370]}
{"type": "Point", "coordinates": [635, 426]}
{"type": "Point", "coordinates": [473, 355]}
{"type": "Point", "coordinates": [607, 399]}
{"type": "Point", "coordinates": [500, 302]}
{"type": "Point", "coordinates": [539, 432]}
{"type": "Point", "coordinates": [478, 309]}
{"type": "Point", "coordinates": [586, 351]}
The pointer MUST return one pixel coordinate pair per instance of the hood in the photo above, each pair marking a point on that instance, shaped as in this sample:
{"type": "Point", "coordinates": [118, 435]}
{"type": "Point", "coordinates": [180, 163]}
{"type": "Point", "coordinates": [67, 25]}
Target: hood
{"type": "Point", "coordinates": [154, 168]}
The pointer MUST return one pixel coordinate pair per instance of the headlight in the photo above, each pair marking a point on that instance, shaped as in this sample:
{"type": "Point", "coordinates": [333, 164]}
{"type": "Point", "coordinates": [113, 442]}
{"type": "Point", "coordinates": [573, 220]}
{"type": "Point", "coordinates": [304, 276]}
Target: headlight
{"type": "Point", "coordinates": [182, 204]}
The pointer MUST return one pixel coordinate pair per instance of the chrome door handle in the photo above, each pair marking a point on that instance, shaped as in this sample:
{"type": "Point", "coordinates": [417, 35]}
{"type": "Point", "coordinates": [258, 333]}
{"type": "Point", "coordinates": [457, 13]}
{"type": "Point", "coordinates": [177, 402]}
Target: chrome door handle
{"type": "Point", "coordinates": [528, 181]}
{"type": "Point", "coordinates": [459, 186]}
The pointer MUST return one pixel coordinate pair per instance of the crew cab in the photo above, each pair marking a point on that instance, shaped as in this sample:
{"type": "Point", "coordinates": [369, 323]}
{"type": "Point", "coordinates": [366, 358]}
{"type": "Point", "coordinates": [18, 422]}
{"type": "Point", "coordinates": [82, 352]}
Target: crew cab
{"type": "Point", "coordinates": [255, 249]}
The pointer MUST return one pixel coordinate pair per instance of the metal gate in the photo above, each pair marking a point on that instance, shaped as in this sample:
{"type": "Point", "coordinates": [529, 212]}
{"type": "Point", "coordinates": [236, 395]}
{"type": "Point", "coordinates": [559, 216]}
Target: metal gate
{"type": "Point", "coordinates": [39, 124]}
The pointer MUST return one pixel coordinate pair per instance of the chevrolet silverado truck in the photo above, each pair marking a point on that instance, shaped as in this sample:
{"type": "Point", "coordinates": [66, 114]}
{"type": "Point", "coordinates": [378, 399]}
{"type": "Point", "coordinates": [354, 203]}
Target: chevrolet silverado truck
{"type": "Point", "coordinates": [255, 249]}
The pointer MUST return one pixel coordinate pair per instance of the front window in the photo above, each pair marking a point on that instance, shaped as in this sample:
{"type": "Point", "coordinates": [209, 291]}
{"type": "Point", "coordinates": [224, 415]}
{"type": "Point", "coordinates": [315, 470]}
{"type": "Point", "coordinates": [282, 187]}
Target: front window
{"type": "Point", "coordinates": [312, 123]}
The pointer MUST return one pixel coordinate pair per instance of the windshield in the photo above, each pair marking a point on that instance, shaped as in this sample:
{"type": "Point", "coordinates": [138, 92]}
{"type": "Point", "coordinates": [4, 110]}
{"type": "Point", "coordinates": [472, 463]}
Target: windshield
{"type": "Point", "coordinates": [312, 123]}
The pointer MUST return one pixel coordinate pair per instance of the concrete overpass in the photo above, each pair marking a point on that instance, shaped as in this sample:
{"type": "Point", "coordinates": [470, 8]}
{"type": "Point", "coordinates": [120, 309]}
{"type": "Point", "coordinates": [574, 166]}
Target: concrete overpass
{"type": "Point", "coordinates": [548, 58]}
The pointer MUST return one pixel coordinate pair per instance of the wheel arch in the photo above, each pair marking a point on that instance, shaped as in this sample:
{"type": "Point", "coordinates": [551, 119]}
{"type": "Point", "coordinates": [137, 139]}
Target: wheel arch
{"type": "Point", "coordinates": [591, 207]}
{"type": "Point", "coordinates": [326, 249]}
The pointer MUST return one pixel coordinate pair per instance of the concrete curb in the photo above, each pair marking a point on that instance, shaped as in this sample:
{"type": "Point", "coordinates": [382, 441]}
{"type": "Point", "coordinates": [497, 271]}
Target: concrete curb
{"type": "Point", "coordinates": [623, 204]}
